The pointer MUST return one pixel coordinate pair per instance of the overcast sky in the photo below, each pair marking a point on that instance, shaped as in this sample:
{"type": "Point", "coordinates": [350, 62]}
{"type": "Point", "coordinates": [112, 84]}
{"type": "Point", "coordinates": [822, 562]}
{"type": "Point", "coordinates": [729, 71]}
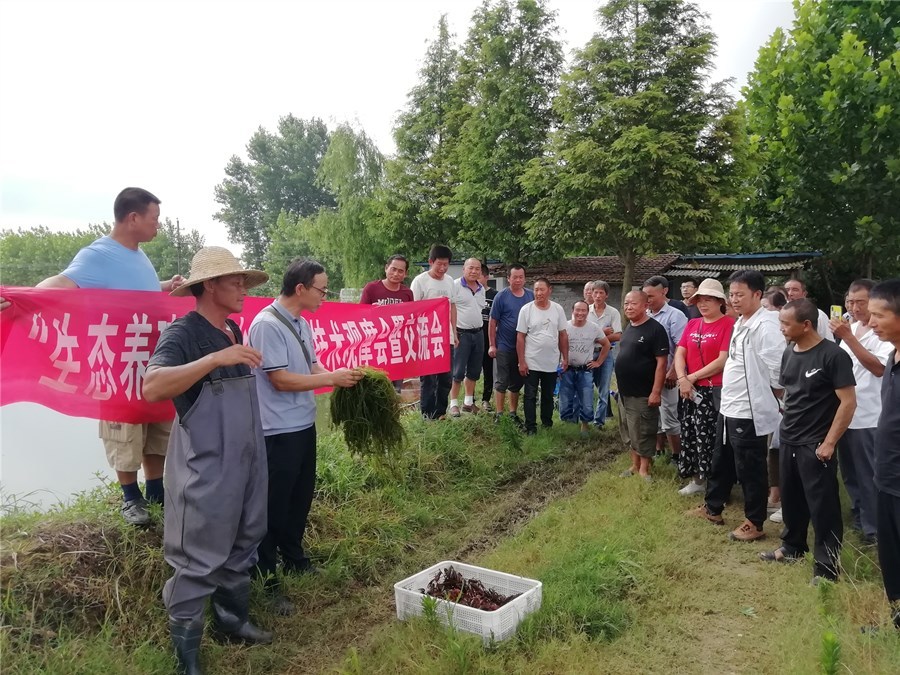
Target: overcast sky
{"type": "Point", "coordinates": [97, 95]}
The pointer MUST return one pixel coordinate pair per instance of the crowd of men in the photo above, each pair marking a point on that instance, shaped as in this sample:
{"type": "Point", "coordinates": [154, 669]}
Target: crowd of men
{"type": "Point", "coordinates": [747, 387]}
{"type": "Point", "coordinates": [729, 381]}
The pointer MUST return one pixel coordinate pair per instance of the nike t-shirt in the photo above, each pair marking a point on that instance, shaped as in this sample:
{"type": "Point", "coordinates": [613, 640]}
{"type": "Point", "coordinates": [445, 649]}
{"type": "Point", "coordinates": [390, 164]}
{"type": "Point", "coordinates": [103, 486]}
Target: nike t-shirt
{"type": "Point", "coordinates": [809, 379]}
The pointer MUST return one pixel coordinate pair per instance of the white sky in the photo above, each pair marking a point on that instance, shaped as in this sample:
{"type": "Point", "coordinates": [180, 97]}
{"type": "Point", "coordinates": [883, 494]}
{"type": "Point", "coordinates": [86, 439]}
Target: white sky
{"type": "Point", "coordinates": [96, 95]}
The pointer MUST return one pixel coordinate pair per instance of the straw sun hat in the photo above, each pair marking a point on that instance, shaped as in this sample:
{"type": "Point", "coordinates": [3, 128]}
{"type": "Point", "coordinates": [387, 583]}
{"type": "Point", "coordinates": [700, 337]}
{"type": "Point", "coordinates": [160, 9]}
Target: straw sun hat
{"type": "Point", "coordinates": [211, 262]}
{"type": "Point", "coordinates": [711, 288]}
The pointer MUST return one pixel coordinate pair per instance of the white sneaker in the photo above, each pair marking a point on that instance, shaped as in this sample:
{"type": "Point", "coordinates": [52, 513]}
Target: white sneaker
{"type": "Point", "coordinates": [776, 517]}
{"type": "Point", "coordinates": [692, 488]}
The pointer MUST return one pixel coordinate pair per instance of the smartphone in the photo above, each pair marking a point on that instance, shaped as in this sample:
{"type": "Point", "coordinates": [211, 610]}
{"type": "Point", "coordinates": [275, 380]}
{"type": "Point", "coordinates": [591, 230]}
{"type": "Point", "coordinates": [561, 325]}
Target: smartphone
{"type": "Point", "coordinates": [837, 312]}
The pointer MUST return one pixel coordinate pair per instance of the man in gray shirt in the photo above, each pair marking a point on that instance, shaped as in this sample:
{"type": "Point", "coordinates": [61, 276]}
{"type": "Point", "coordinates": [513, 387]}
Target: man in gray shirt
{"type": "Point", "coordinates": [285, 384]}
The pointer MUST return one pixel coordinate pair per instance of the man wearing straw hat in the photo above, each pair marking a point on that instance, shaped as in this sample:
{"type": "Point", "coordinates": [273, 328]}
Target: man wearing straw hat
{"type": "Point", "coordinates": [216, 476]}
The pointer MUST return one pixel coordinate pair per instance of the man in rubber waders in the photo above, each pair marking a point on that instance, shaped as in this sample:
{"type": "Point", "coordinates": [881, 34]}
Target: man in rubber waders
{"type": "Point", "coordinates": [216, 474]}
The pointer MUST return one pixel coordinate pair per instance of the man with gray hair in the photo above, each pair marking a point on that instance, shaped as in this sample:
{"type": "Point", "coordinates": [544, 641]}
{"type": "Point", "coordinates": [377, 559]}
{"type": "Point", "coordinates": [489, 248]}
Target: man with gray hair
{"type": "Point", "coordinates": [609, 319]}
{"type": "Point", "coordinates": [467, 358]}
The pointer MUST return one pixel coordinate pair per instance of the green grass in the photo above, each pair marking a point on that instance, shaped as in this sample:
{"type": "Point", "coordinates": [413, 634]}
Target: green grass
{"type": "Point", "coordinates": [80, 591]}
{"type": "Point", "coordinates": [632, 585]}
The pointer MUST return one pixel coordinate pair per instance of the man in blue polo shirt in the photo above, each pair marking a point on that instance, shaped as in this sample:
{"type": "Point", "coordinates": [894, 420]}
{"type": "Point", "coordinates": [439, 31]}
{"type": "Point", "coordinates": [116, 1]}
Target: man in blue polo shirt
{"type": "Point", "coordinates": [116, 261]}
{"type": "Point", "coordinates": [502, 336]}
{"type": "Point", "coordinates": [285, 383]}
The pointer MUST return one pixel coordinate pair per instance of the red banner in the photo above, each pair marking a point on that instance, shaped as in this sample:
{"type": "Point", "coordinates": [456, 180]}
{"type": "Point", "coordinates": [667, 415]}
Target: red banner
{"type": "Point", "coordinates": [83, 352]}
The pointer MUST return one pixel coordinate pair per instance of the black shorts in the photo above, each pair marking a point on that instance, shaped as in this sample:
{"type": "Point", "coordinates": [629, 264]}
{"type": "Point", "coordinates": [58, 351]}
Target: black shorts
{"type": "Point", "coordinates": [506, 373]}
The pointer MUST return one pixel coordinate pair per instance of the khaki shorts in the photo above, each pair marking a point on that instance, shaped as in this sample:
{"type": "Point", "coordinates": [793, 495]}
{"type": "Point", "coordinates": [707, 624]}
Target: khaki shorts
{"type": "Point", "coordinates": [126, 444]}
{"type": "Point", "coordinates": [637, 424]}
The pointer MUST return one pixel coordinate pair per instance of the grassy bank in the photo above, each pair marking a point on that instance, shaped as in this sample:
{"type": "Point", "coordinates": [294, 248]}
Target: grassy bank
{"type": "Point", "coordinates": [631, 585]}
{"type": "Point", "coordinates": [81, 591]}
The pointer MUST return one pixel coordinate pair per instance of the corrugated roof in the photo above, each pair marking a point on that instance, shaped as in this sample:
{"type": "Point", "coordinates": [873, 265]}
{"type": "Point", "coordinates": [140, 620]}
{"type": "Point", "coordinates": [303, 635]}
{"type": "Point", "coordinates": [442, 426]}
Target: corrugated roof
{"type": "Point", "coordinates": [589, 268]}
{"type": "Point", "coordinates": [683, 270]}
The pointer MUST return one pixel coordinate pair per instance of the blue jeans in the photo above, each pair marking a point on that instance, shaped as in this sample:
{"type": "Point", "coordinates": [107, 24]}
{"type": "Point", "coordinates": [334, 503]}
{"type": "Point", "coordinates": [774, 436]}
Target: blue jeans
{"type": "Point", "coordinates": [576, 395]}
{"type": "Point", "coordinates": [602, 378]}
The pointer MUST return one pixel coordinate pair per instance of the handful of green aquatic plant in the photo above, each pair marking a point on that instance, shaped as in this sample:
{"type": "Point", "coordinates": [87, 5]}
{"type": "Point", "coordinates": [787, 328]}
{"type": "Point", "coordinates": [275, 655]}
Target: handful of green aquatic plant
{"type": "Point", "coordinates": [370, 416]}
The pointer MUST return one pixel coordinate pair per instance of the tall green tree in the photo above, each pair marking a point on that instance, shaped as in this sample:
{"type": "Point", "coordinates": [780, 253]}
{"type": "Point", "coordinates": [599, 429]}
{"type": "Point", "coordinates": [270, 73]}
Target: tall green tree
{"type": "Point", "coordinates": [418, 179]}
{"type": "Point", "coordinates": [509, 72]}
{"type": "Point", "coordinates": [823, 111]}
{"type": "Point", "coordinates": [647, 157]}
{"type": "Point", "coordinates": [280, 174]}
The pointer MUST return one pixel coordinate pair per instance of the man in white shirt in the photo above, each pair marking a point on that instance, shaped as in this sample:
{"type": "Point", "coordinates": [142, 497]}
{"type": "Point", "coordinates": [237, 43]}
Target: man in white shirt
{"type": "Point", "coordinates": [609, 319]}
{"type": "Point", "coordinates": [470, 301]}
{"type": "Point", "coordinates": [749, 411]}
{"type": "Point", "coordinates": [856, 451]}
{"type": "Point", "coordinates": [674, 321]}
{"type": "Point", "coordinates": [436, 283]}
{"type": "Point", "coordinates": [796, 289]}
{"type": "Point", "coordinates": [541, 342]}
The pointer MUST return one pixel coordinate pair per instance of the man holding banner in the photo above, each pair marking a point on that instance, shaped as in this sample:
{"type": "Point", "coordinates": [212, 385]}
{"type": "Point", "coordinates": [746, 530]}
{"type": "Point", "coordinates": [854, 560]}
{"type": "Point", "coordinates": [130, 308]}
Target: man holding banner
{"type": "Point", "coordinates": [217, 472]}
{"type": "Point", "coordinates": [116, 261]}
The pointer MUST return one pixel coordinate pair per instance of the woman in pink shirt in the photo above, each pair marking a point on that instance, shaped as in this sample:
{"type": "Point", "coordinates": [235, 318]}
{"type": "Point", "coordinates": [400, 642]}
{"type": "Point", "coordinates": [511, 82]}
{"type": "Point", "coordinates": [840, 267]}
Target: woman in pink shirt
{"type": "Point", "coordinates": [699, 361]}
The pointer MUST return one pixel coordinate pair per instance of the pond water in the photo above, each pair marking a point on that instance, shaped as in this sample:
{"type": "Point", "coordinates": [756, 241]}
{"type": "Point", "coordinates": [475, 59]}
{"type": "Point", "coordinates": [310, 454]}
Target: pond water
{"type": "Point", "coordinates": [46, 457]}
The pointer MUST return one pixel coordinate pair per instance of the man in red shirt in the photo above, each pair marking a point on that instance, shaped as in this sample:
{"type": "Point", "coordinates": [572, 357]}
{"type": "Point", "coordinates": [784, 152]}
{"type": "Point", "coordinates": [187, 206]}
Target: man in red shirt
{"type": "Point", "coordinates": [391, 290]}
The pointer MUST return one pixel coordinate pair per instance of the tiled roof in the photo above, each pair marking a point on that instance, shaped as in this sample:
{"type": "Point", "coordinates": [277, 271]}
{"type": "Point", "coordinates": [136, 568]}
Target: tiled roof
{"type": "Point", "coordinates": [609, 268]}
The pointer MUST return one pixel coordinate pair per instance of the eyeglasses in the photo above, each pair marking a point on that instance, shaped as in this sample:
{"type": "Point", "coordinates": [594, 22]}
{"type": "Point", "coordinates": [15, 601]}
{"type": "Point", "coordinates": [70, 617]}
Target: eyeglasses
{"type": "Point", "coordinates": [323, 291]}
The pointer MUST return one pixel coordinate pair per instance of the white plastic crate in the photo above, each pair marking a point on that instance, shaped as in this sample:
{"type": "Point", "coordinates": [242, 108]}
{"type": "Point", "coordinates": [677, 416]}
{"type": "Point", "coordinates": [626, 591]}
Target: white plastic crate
{"type": "Point", "coordinates": [497, 625]}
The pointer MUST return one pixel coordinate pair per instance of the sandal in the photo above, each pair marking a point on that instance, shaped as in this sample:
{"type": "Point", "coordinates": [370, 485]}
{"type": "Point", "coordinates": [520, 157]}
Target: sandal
{"type": "Point", "coordinates": [780, 554]}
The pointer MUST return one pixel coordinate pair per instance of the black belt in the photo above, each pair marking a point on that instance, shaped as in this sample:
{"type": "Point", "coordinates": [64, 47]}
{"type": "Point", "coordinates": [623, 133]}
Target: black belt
{"type": "Point", "coordinates": [578, 368]}
{"type": "Point", "coordinates": [468, 330]}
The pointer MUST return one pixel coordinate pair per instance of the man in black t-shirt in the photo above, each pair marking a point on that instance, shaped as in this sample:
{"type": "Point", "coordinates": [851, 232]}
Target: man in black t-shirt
{"type": "Point", "coordinates": [216, 474]}
{"type": "Point", "coordinates": [641, 373]}
{"type": "Point", "coordinates": [819, 402]}
{"type": "Point", "coordinates": [884, 317]}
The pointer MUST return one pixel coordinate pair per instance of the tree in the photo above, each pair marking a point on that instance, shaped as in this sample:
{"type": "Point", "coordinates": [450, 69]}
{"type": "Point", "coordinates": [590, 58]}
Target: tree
{"type": "Point", "coordinates": [288, 239]}
{"type": "Point", "coordinates": [30, 255]}
{"type": "Point", "coordinates": [348, 233]}
{"type": "Point", "coordinates": [418, 185]}
{"type": "Point", "coordinates": [823, 111]}
{"type": "Point", "coordinates": [647, 157]}
{"type": "Point", "coordinates": [509, 71]}
{"type": "Point", "coordinates": [279, 175]}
